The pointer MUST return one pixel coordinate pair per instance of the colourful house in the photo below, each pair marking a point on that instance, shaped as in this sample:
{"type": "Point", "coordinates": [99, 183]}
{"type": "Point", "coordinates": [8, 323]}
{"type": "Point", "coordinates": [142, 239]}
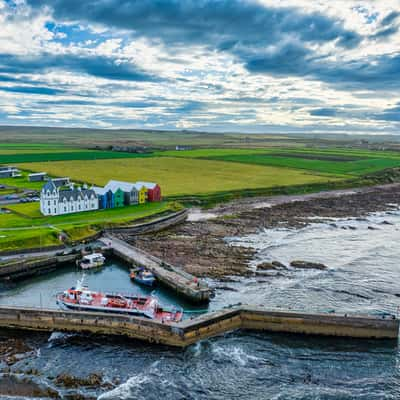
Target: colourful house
{"type": "Point", "coordinates": [119, 198]}
{"type": "Point", "coordinates": [131, 193]}
{"type": "Point", "coordinates": [106, 197]}
{"type": "Point", "coordinates": [142, 193]}
{"type": "Point", "coordinates": [153, 191]}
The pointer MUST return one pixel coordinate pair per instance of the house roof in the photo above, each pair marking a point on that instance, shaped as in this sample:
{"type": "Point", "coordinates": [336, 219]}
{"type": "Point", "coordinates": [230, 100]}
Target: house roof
{"type": "Point", "coordinates": [75, 194]}
{"type": "Point", "coordinates": [99, 190]}
{"type": "Point", "coordinates": [60, 181]}
{"type": "Point", "coordinates": [49, 185]}
{"type": "Point", "coordinates": [38, 174]}
{"type": "Point", "coordinates": [147, 185]}
{"type": "Point", "coordinates": [124, 186]}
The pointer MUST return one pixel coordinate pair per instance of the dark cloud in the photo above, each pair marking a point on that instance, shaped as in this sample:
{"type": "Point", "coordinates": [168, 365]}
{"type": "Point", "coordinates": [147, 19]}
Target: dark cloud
{"type": "Point", "coordinates": [190, 106]}
{"type": "Point", "coordinates": [266, 39]}
{"type": "Point", "coordinates": [324, 112]}
{"type": "Point", "coordinates": [220, 23]}
{"type": "Point", "coordinates": [98, 66]}
{"type": "Point", "coordinates": [390, 114]}
{"type": "Point", "coordinates": [385, 33]}
{"type": "Point", "coordinates": [32, 90]}
{"type": "Point", "coordinates": [391, 17]}
{"type": "Point", "coordinates": [374, 73]}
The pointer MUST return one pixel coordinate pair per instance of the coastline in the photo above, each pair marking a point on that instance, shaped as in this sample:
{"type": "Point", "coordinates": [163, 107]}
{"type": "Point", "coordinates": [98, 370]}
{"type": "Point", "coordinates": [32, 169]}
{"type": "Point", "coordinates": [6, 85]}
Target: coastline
{"type": "Point", "coordinates": [200, 247]}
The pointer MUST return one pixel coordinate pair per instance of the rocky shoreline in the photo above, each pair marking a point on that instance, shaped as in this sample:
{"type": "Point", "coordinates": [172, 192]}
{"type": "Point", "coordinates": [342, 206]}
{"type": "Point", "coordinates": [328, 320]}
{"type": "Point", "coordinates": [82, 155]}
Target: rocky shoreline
{"type": "Point", "coordinates": [201, 248]}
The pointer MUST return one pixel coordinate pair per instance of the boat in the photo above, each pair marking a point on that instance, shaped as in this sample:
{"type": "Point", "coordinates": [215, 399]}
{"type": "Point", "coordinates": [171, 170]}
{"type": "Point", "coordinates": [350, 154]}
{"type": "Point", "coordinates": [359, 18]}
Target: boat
{"type": "Point", "coordinates": [92, 261]}
{"type": "Point", "coordinates": [80, 298]}
{"type": "Point", "coordinates": [143, 276]}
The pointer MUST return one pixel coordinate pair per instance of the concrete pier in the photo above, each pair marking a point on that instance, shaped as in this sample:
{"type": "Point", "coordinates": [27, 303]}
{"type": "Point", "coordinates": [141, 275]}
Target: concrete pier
{"type": "Point", "coordinates": [191, 331]}
{"type": "Point", "coordinates": [186, 285]}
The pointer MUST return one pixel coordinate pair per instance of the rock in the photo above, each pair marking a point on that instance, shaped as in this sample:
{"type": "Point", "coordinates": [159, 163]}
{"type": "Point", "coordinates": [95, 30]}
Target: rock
{"type": "Point", "coordinates": [386, 223]}
{"type": "Point", "coordinates": [231, 289]}
{"type": "Point", "coordinates": [372, 228]}
{"type": "Point", "coordinates": [279, 265]}
{"type": "Point", "coordinates": [70, 381]}
{"type": "Point", "coordinates": [265, 266]}
{"type": "Point", "coordinates": [353, 228]}
{"type": "Point", "coordinates": [307, 265]}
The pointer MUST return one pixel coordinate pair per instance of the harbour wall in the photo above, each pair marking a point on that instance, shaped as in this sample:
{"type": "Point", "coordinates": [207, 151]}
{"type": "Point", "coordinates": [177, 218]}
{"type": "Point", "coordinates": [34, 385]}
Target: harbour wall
{"type": "Point", "coordinates": [19, 269]}
{"type": "Point", "coordinates": [177, 280]}
{"type": "Point", "coordinates": [209, 325]}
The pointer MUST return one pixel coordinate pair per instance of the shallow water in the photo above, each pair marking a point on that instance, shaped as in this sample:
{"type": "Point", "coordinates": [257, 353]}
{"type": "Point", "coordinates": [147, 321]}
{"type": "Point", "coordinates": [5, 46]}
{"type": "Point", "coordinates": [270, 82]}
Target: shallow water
{"type": "Point", "coordinates": [363, 276]}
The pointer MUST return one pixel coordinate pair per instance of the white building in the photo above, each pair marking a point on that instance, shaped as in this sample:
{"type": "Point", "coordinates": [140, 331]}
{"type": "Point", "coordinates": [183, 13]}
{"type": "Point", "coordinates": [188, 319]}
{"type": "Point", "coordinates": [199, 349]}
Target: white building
{"type": "Point", "coordinates": [56, 201]}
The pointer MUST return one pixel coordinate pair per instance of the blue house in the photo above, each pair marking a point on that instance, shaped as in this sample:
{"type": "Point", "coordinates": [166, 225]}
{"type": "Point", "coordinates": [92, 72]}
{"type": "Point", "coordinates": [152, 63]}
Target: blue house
{"type": "Point", "coordinates": [106, 197]}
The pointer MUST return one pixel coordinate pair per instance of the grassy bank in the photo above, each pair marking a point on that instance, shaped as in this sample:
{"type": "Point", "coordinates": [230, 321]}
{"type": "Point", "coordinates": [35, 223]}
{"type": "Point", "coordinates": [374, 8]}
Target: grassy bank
{"type": "Point", "coordinates": [25, 227]}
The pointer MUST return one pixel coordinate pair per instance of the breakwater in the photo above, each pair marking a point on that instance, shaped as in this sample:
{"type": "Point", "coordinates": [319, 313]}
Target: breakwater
{"type": "Point", "coordinates": [191, 331]}
{"type": "Point", "coordinates": [24, 268]}
{"type": "Point", "coordinates": [177, 280]}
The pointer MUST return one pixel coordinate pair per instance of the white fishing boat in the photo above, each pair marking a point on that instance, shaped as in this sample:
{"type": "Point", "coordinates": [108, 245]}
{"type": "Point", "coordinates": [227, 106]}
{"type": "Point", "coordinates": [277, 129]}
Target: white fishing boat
{"type": "Point", "coordinates": [92, 261]}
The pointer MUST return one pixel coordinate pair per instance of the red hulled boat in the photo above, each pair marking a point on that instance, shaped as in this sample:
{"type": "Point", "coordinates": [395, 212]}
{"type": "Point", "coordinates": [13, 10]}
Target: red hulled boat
{"type": "Point", "coordinates": [80, 298]}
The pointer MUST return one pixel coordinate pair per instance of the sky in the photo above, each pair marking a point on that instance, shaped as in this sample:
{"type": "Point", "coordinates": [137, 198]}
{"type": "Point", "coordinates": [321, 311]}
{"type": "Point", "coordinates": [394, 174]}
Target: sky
{"type": "Point", "coordinates": [252, 66]}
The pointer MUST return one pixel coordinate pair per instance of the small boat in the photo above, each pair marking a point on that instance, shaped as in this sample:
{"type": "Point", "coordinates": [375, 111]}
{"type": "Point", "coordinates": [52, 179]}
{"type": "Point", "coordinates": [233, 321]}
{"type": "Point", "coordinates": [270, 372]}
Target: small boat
{"type": "Point", "coordinates": [80, 298]}
{"type": "Point", "coordinates": [143, 276]}
{"type": "Point", "coordinates": [92, 261]}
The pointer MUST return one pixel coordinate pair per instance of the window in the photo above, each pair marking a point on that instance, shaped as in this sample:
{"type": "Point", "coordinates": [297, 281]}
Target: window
{"type": "Point", "coordinates": [55, 211]}
{"type": "Point", "coordinates": [65, 209]}
{"type": "Point", "coordinates": [49, 211]}
{"type": "Point", "coordinates": [48, 203]}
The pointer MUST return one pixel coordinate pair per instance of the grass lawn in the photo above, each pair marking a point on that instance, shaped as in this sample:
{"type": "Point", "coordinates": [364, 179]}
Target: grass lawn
{"type": "Point", "coordinates": [40, 237]}
{"type": "Point", "coordinates": [181, 176]}
{"type": "Point", "coordinates": [22, 182]}
{"type": "Point", "coordinates": [34, 230]}
{"type": "Point", "coordinates": [31, 215]}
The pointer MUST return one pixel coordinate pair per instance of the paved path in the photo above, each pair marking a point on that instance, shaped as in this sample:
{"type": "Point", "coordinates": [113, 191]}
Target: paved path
{"type": "Point", "coordinates": [173, 277]}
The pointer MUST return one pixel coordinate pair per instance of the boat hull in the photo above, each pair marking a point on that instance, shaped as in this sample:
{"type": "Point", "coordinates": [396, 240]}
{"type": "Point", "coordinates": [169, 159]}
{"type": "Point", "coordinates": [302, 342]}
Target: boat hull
{"type": "Point", "coordinates": [159, 313]}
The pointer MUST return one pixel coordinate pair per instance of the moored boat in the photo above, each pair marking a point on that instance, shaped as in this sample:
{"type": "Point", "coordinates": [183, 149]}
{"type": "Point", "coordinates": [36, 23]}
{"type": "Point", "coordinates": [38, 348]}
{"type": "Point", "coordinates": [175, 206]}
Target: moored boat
{"type": "Point", "coordinates": [143, 276]}
{"type": "Point", "coordinates": [80, 298]}
{"type": "Point", "coordinates": [92, 261]}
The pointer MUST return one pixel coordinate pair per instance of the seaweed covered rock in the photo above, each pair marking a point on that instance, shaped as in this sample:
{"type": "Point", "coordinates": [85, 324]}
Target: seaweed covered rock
{"type": "Point", "coordinates": [307, 265]}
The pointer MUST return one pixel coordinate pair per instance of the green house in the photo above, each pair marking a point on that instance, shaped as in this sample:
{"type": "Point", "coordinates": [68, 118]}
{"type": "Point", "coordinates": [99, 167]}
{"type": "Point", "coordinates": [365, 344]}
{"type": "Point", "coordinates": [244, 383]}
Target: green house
{"type": "Point", "coordinates": [119, 197]}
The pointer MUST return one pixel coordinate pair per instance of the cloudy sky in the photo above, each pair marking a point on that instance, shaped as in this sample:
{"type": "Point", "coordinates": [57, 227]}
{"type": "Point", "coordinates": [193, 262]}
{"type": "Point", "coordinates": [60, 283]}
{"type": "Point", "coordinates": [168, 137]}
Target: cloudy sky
{"type": "Point", "coordinates": [219, 65]}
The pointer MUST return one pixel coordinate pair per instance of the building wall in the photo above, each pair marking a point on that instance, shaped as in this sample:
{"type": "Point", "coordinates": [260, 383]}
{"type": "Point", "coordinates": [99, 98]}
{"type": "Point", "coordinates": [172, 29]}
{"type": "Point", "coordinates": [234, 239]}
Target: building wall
{"type": "Point", "coordinates": [50, 204]}
{"type": "Point", "coordinates": [142, 195]}
{"type": "Point", "coordinates": [119, 198]}
{"type": "Point", "coordinates": [154, 194]}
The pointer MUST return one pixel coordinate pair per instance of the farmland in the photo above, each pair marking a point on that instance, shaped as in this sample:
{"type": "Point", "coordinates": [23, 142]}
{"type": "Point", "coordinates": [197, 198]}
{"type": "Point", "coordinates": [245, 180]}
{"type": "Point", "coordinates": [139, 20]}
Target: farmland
{"type": "Point", "coordinates": [181, 176]}
{"type": "Point", "coordinates": [58, 155]}
{"type": "Point", "coordinates": [340, 162]}
{"type": "Point", "coordinates": [202, 175]}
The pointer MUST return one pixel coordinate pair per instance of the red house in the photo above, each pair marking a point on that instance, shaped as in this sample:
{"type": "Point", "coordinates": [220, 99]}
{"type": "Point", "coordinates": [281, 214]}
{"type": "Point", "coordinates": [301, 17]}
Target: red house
{"type": "Point", "coordinates": [153, 191]}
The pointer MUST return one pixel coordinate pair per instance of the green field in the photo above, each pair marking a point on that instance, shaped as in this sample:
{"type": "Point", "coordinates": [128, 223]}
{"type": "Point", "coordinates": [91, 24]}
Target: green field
{"type": "Point", "coordinates": [340, 162]}
{"type": "Point", "coordinates": [202, 175]}
{"type": "Point", "coordinates": [22, 157]}
{"type": "Point", "coordinates": [181, 176]}
{"type": "Point", "coordinates": [26, 227]}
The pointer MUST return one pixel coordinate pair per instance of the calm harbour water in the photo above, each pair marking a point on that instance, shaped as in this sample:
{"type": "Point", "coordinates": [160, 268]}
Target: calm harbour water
{"type": "Point", "coordinates": [363, 276]}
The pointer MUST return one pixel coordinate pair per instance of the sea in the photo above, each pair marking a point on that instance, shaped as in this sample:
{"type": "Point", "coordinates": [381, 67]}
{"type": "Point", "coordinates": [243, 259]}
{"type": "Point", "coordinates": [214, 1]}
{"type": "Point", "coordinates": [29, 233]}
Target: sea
{"type": "Point", "coordinates": [362, 277]}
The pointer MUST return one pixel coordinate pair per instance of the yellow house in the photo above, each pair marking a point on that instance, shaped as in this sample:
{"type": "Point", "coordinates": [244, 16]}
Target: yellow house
{"type": "Point", "coordinates": [142, 194]}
